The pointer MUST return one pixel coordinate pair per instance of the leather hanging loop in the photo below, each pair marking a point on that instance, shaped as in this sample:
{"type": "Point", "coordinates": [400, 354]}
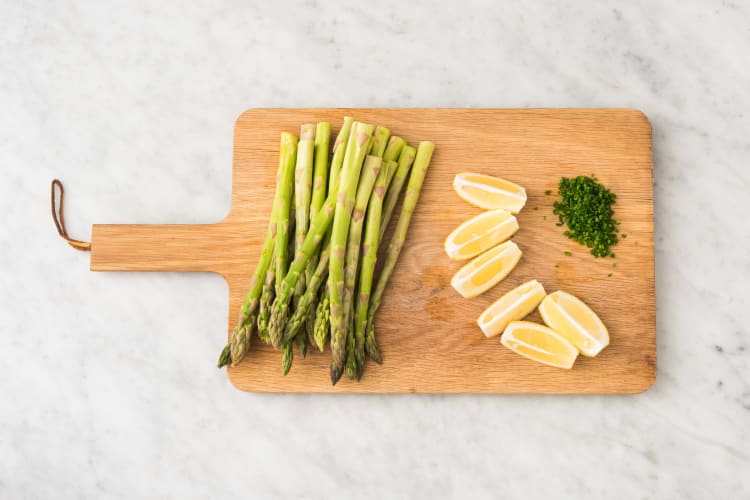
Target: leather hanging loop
{"type": "Point", "coordinates": [59, 219]}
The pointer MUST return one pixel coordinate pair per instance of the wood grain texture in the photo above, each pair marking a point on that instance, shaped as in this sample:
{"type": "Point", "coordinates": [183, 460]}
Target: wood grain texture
{"type": "Point", "coordinates": [427, 332]}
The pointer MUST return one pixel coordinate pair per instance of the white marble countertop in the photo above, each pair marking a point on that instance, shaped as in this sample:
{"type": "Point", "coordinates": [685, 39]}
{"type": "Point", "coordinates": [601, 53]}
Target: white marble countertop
{"type": "Point", "coordinates": [109, 388]}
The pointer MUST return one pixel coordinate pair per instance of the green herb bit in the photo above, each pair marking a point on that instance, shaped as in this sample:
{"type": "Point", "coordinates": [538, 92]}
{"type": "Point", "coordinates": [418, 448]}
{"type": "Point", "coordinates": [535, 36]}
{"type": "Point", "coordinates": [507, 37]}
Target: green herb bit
{"type": "Point", "coordinates": [586, 209]}
{"type": "Point", "coordinates": [568, 253]}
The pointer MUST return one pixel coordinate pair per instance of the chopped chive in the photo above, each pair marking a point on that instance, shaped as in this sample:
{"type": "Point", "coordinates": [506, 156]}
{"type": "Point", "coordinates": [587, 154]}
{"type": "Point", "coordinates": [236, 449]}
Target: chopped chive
{"type": "Point", "coordinates": [586, 208]}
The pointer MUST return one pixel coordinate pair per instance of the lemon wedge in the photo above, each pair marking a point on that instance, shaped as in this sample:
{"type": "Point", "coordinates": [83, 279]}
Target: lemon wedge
{"type": "Point", "coordinates": [573, 319]}
{"type": "Point", "coordinates": [513, 306]}
{"type": "Point", "coordinates": [487, 270]}
{"type": "Point", "coordinates": [480, 233]}
{"type": "Point", "coordinates": [539, 343]}
{"type": "Point", "coordinates": [489, 192]}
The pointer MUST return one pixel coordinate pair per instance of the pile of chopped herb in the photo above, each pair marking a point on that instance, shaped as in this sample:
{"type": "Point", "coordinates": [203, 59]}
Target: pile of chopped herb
{"type": "Point", "coordinates": [586, 208]}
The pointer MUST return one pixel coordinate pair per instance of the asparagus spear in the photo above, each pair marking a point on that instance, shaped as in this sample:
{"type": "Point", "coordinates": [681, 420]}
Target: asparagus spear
{"type": "Point", "coordinates": [377, 146]}
{"type": "Point", "coordinates": [318, 228]}
{"type": "Point", "coordinates": [319, 192]}
{"type": "Point", "coordinates": [303, 176]}
{"type": "Point", "coordinates": [282, 214]}
{"type": "Point", "coordinates": [405, 160]}
{"type": "Point", "coordinates": [240, 340]}
{"type": "Point", "coordinates": [322, 327]}
{"type": "Point", "coordinates": [370, 172]}
{"type": "Point", "coordinates": [339, 150]}
{"type": "Point", "coordinates": [359, 142]}
{"type": "Point", "coordinates": [369, 258]}
{"type": "Point", "coordinates": [416, 179]}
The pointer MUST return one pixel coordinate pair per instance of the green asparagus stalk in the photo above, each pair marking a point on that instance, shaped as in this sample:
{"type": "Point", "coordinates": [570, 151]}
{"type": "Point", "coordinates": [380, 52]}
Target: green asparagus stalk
{"type": "Point", "coordinates": [405, 160]}
{"type": "Point", "coordinates": [370, 172]}
{"type": "Point", "coordinates": [283, 215]}
{"type": "Point", "coordinates": [240, 340]}
{"type": "Point", "coordinates": [303, 176]}
{"type": "Point", "coordinates": [416, 179]}
{"type": "Point", "coordinates": [319, 192]}
{"type": "Point", "coordinates": [355, 154]}
{"type": "Point", "coordinates": [320, 170]}
{"type": "Point", "coordinates": [318, 228]}
{"type": "Point", "coordinates": [379, 141]}
{"type": "Point", "coordinates": [322, 326]}
{"type": "Point", "coordinates": [307, 302]}
{"type": "Point", "coordinates": [369, 259]}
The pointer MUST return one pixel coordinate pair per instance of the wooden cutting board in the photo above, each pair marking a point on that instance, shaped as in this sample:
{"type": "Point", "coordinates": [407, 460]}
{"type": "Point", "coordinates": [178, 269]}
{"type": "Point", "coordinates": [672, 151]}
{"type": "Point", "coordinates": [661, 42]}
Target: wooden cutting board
{"type": "Point", "coordinates": [427, 332]}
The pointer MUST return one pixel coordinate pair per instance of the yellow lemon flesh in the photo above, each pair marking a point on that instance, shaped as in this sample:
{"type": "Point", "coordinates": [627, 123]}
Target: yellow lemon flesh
{"type": "Point", "coordinates": [480, 233]}
{"type": "Point", "coordinates": [513, 306]}
{"type": "Point", "coordinates": [574, 320]}
{"type": "Point", "coordinates": [539, 343]}
{"type": "Point", "coordinates": [489, 192]}
{"type": "Point", "coordinates": [487, 270]}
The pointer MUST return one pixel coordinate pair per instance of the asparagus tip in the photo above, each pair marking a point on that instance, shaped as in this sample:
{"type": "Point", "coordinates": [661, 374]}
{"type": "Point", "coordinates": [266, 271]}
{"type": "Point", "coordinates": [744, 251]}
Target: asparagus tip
{"type": "Point", "coordinates": [238, 346]}
{"type": "Point", "coordinates": [225, 357]}
{"type": "Point", "coordinates": [336, 372]}
{"type": "Point", "coordinates": [373, 351]}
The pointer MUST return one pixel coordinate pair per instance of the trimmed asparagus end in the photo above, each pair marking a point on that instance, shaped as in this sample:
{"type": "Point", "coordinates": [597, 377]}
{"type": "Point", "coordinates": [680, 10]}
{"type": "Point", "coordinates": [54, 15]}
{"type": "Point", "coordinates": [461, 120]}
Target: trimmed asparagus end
{"type": "Point", "coordinates": [307, 132]}
{"type": "Point", "coordinates": [393, 149]}
{"type": "Point", "coordinates": [380, 141]}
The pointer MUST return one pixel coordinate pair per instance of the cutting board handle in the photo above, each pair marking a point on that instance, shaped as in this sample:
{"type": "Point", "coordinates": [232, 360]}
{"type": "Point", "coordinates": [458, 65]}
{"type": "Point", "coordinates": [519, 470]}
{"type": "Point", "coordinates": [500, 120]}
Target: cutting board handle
{"type": "Point", "coordinates": [158, 247]}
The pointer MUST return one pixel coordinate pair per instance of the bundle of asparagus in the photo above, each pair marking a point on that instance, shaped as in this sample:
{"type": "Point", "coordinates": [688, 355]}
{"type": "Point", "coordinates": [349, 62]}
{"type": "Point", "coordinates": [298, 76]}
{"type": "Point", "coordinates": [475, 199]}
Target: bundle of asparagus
{"type": "Point", "coordinates": [340, 212]}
